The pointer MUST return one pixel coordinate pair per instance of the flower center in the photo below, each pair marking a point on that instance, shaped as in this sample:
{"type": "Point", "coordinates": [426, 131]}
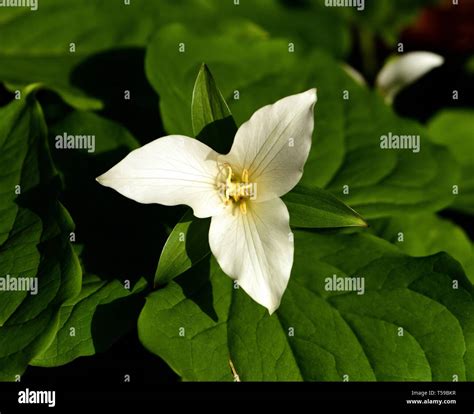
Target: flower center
{"type": "Point", "coordinates": [236, 190]}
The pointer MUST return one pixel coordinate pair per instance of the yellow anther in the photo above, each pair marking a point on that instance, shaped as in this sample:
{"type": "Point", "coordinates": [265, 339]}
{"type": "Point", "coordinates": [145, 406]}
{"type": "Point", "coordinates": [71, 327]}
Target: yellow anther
{"type": "Point", "coordinates": [229, 176]}
{"type": "Point", "coordinates": [228, 182]}
{"type": "Point", "coordinates": [243, 207]}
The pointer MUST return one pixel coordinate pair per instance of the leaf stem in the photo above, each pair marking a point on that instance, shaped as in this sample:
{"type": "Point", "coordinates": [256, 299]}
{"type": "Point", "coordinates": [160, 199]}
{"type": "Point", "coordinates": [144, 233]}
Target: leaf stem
{"type": "Point", "coordinates": [234, 372]}
{"type": "Point", "coordinates": [368, 52]}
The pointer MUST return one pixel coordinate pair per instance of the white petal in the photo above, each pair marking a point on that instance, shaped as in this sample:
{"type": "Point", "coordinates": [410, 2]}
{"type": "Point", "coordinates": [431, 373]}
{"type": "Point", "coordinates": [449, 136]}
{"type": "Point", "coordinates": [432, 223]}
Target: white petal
{"type": "Point", "coordinates": [256, 249]}
{"type": "Point", "coordinates": [274, 144]}
{"type": "Point", "coordinates": [354, 74]}
{"type": "Point", "coordinates": [171, 170]}
{"type": "Point", "coordinates": [404, 70]}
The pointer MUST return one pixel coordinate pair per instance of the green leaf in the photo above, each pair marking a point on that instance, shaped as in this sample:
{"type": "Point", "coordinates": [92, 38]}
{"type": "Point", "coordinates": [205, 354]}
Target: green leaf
{"type": "Point", "coordinates": [50, 74]}
{"type": "Point", "coordinates": [187, 244]}
{"type": "Point", "coordinates": [409, 323]}
{"type": "Point", "coordinates": [468, 264]}
{"type": "Point", "coordinates": [36, 46]}
{"type": "Point", "coordinates": [208, 104]}
{"type": "Point", "coordinates": [34, 239]}
{"type": "Point", "coordinates": [453, 128]}
{"type": "Point", "coordinates": [316, 208]}
{"type": "Point", "coordinates": [211, 117]}
{"type": "Point", "coordinates": [426, 234]}
{"type": "Point", "coordinates": [92, 321]}
{"type": "Point", "coordinates": [318, 26]}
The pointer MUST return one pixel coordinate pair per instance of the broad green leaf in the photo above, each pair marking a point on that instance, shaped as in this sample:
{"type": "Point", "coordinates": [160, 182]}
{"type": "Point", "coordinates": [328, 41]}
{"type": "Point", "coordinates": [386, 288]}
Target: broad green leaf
{"type": "Point", "coordinates": [187, 244]}
{"type": "Point", "coordinates": [50, 73]}
{"type": "Point", "coordinates": [34, 239]}
{"type": "Point", "coordinates": [92, 321]}
{"type": "Point", "coordinates": [426, 234]}
{"type": "Point", "coordinates": [37, 45]}
{"type": "Point", "coordinates": [413, 322]}
{"type": "Point", "coordinates": [316, 208]}
{"type": "Point", "coordinates": [454, 128]}
{"type": "Point", "coordinates": [211, 117]}
{"type": "Point", "coordinates": [306, 24]}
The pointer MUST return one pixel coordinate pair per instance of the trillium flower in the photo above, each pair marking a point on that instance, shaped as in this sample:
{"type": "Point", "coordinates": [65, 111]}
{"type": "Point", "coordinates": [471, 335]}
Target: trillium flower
{"type": "Point", "coordinates": [250, 233]}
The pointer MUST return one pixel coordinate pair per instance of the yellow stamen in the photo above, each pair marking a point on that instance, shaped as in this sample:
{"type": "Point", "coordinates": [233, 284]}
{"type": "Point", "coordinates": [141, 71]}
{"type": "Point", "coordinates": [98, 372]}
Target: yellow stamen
{"type": "Point", "coordinates": [228, 182]}
{"type": "Point", "coordinates": [235, 191]}
{"type": "Point", "coordinates": [245, 176]}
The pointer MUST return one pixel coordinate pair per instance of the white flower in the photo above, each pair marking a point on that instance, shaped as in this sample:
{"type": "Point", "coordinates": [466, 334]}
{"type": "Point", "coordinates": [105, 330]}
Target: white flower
{"type": "Point", "coordinates": [250, 233]}
{"type": "Point", "coordinates": [404, 70]}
